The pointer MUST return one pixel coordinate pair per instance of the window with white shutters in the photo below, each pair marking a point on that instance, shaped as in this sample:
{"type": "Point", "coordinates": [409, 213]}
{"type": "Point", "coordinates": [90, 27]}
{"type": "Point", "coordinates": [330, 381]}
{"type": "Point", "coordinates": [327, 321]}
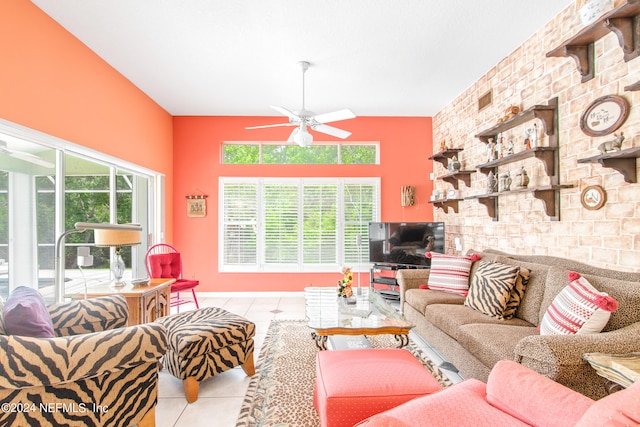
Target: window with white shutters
{"type": "Point", "coordinates": [296, 224]}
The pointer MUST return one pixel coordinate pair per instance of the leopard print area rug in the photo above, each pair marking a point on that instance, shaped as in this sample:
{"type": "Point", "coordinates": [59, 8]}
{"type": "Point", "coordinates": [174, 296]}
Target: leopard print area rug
{"type": "Point", "coordinates": [280, 394]}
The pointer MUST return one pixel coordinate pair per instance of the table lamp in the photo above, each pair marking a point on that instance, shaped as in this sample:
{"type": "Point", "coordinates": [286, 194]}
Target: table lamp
{"type": "Point", "coordinates": [80, 227]}
{"type": "Point", "coordinates": [117, 238]}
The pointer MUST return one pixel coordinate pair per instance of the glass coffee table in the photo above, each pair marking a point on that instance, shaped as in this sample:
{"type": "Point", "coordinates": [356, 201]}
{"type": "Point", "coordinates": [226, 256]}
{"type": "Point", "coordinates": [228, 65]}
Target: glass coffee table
{"type": "Point", "coordinates": [328, 314]}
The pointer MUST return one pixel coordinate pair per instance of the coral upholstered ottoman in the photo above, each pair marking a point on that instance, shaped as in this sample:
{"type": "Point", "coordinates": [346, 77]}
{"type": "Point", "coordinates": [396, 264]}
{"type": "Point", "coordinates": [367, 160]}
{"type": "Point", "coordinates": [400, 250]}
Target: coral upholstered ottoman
{"type": "Point", "coordinates": [352, 385]}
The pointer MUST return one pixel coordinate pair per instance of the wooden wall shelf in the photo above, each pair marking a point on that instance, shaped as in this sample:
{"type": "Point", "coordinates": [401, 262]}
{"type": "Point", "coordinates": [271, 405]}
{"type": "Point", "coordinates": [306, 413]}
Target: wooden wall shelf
{"type": "Point", "coordinates": [632, 87]}
{"type": "Point", "coordinates": [623, 21]}
{"type": "Point", "coordinates": [546, 113]}
{"type": "Point", "coordinates": [490, 201]}
{"type": "Point", "coordinates": [444, 156]}
{"type": "Point", "coordinates": [623, 161]}
{"type": "Point", "coordinates": [548, 194]}
{"type": "Point", "coordinates": [545, 154]}
{"type": "Point", "coordinates": [548, 155]}
{"type": "Point", "coordinates": [453, 178]}
{"type": "Point", "coordinates": [446, 203]}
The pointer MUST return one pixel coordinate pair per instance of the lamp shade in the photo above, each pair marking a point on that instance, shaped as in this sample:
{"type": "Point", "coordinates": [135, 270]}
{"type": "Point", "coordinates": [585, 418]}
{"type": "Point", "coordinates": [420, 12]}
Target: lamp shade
{"type": "Point", "coordinates": [104, 237]}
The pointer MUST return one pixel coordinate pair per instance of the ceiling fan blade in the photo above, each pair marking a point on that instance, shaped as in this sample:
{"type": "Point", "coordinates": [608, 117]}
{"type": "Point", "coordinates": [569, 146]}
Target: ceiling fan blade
{"type": "Point", "coordinates": [330, 130]}
{"type": "Point", "coordinates": [293, 133]}
{"type": "Point", "coordinates": [334, 116]}
{"type": "Point", "coordinates": [286, 112]}
{"type": "Point", "coordinates": [271, 126]}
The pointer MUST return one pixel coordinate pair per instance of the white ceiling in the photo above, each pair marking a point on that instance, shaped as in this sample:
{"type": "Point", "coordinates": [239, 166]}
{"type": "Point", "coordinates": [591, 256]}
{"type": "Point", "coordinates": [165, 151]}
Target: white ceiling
{"type": "Point", "coordinates": [237, 57]}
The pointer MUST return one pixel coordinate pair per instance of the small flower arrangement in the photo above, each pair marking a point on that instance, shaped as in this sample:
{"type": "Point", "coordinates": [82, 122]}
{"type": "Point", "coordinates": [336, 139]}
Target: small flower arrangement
{"type": "Point", "coordinates": [344, 284]}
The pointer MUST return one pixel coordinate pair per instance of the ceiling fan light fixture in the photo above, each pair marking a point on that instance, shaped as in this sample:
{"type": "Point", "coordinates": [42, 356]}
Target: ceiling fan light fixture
{"type": "Point", "coordinates": [303, 138]}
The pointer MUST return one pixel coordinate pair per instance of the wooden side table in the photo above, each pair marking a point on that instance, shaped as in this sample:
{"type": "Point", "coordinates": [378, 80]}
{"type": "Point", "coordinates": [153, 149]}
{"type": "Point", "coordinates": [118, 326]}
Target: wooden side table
{"type": "Point", "coordinates": [146, 303]}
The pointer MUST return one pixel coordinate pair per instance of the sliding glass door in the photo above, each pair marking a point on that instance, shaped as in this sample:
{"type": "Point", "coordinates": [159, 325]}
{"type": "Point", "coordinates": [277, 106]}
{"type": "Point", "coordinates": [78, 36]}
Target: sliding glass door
{"type": "Point", "coordinates": [45, 191]}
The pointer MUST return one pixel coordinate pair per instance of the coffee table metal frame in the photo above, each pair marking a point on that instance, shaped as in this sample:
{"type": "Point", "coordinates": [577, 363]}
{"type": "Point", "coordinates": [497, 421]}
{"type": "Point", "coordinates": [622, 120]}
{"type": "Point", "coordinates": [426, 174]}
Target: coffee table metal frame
{"type": "Point", "coordinates": [327, 314]}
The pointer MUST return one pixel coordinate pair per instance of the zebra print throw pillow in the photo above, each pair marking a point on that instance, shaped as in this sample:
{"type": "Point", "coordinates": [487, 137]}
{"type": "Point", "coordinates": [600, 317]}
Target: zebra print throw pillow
{"type": "Point", "coordinates": [517, 293]}
{"type": "Point", "coordinates": [491, 288]}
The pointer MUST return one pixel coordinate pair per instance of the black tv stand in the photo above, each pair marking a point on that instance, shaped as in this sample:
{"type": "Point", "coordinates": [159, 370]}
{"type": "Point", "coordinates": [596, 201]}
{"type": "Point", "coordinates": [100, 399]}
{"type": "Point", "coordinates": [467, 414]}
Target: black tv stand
{"type": "Point", "coordinates": [376, 277]}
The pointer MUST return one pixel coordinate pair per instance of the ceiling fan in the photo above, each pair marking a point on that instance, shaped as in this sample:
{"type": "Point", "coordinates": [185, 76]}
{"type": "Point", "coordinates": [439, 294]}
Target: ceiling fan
{"type": "Point", "coordinates": [27, 157]}
{"type": "Point", "coordinates": [305, 119]}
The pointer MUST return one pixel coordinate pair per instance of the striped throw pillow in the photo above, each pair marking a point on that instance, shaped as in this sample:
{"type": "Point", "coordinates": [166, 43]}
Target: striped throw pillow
{"type": "Point", "coordinates": [578, 309]}
{"type": "Point", "coordinates": [450, 273]}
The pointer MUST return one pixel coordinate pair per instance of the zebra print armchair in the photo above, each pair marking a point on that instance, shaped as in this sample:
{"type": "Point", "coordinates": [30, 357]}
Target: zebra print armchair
{"type": "Point", "coordinates": [96, 371]}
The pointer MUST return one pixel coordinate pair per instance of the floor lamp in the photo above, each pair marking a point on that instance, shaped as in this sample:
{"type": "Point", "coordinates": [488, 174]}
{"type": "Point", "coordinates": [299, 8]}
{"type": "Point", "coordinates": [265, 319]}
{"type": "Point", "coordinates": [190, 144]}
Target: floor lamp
{"type": "Point", "coordinates": [130, 233]}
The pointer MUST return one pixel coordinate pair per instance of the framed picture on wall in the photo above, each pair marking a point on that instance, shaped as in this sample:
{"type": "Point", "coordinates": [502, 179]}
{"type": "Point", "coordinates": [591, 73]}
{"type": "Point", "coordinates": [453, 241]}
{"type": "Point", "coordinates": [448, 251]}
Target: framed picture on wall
{"type": "Point", "coordinates": [593, 197]}
{"type": "Point", "coordinates": [604, 115]}
{"type": "Point", "coordinates": [196, 206]}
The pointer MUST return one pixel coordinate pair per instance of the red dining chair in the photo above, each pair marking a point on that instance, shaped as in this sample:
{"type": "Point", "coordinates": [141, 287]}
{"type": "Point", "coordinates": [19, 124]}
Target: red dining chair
{"type": "Point", "coordinates": [164, 261]}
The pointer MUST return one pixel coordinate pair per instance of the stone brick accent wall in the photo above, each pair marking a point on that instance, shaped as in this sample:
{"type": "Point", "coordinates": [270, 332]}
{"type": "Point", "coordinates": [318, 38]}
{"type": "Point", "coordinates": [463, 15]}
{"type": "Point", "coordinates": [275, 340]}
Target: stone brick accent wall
{"type": "Point", "coordinates": [608, 237]}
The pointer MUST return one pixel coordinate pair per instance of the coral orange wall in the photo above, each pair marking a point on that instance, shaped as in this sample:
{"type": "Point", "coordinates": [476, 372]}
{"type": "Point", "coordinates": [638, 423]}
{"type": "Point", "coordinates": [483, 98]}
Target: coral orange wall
{"type": "Point", "coordinates": [405, 145]}
{"type": "Point", "coordinates": [51, 82]}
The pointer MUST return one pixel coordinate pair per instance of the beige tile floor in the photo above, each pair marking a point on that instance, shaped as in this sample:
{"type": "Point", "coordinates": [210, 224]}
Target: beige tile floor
{"type": "Point", "coordinates": [220, 397]}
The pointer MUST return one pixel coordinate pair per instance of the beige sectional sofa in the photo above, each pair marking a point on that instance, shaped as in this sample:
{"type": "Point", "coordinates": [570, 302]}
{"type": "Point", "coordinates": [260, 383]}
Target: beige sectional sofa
{"type": "Point", "coordinates": [475, 342]}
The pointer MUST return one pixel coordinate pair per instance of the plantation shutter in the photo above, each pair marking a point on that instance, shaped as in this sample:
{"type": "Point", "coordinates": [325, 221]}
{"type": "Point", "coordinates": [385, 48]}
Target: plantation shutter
{"type": "Point", "coordinates": [320, 234]}
{"type": "Point", "coordinates": [360, 208]}
{"type": "Point", "coordinates": [239, 217]}
{"type": "Point", "coordinates": [293, 224]}
{"type": "Point", "coordinates": [281, 218]}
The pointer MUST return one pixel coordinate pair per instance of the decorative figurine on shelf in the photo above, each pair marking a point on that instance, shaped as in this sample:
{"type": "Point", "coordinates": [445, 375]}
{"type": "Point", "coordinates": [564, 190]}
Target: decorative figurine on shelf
{"type": "Point", "coordinates": [344, 284]}
{"type": "Point", "coordinates": [491, 150]}
{"type": "Point", "coordinates": [499, 148]}
{"type": "Point", "coordinates": [454, 164]}
{"type": "Point", "coordinates": [521, 179]}
{"type": "Point", "coordinates": [528, 138]}
{"type": "Point", "coordinates": [505, 182]}
{"type": "Point", "coordinates": [612, 145]}
{"type": "Point", "coordinates": [492, 183]}
{"type": "Point", "coordinates": [443, 145]}
{"type": "Point", "coordinates": [510, 148]}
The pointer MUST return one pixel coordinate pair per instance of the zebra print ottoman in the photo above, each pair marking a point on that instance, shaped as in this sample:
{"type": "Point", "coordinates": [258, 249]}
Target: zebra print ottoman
{"type": "Point", "coordinates": [206, 342]}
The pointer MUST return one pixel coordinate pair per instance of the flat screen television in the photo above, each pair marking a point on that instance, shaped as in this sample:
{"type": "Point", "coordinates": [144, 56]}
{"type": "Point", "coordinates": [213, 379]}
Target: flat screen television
{"type": "Point", "coordinates": [404, 243]}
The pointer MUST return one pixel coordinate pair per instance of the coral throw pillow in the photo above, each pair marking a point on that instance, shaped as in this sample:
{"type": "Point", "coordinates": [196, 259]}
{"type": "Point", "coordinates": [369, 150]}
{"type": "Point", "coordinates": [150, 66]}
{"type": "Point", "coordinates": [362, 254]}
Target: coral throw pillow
{"type": "Point", "coordinates": [25, 314]}
{"type": "Point", "coordinates": [491, 288]}
{"type": "Point", "coordinates": [450, 273]}
{"type": "Point", "coordinates": [578, 309]}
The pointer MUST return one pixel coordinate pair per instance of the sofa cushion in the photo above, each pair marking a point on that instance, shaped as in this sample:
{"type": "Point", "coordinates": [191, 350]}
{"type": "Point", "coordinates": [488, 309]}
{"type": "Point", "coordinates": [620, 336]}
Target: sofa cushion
{"type": "Point", "coordinates": [494, 342]}
{"type": "Point", "coordinates": [491, 287]}
{"type": "Point", "coordinates": [529, 307]}
{"type": "Point", "coordinates": [618, 409]}
{"type": "Point", "coordinates": [450, 317]}
{"type": "Point", "coordinates": [419, 299]}
{"type": "Point", "coordinates": [533, 398]}
{"type": "Point", "coordinates": [26, 314]}
{"type": "Point", "coordinates": [571, 265]}
{"type": "Point", "coordinates": [450, 273]}
{"type": "Point", "coordinates": [458, 405]}
{"type": "Point", "coordinates": [578, 309]}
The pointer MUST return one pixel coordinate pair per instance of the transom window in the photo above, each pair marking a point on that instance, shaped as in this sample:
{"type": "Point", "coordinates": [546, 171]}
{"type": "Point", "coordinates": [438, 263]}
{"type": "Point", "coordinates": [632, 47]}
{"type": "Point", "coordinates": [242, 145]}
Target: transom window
{"type": "Point", "coordinates": [295, 224]}
{"type": "Point", "coordinates": [319, 153]}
